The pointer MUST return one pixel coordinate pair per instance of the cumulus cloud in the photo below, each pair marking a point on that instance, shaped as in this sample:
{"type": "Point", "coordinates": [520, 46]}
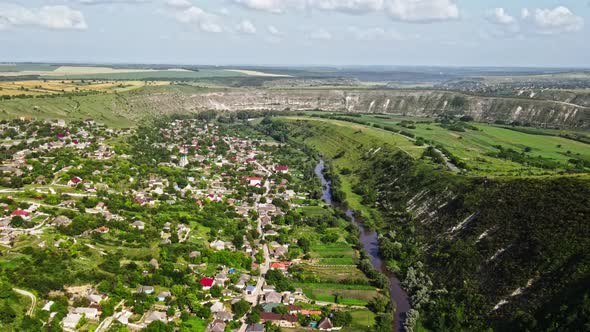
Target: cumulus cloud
{"type": "Point", "coordinates": [51, 17]}
{"type": "Point", "coordinates": [376, 33]}
{"type": "Point", "coordinates": [246, 27]}
{"type": "Point", "coordinates": [557, 20]}
{"type": "Point", "coordinates": [525, 13]}
{"type": "Point", "coordinates": [199, 18]}
{"type": "Point", "coordinates": [423, 11]}
{"type": "Point", "coordinates": [178, 4]}
{"type": "Point", "coordinates": [320, 34]}
{"type": "Point", "coordinates": [348, 6]}
{"type": "Point", "coordinates": [273, 6]}
{"type": "Point", "coordinates": [500, 16]}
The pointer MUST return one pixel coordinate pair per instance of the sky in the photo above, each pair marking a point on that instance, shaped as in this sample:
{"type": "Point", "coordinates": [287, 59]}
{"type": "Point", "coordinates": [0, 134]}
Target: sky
{"type": "Point", "coordinates": [530, 33]}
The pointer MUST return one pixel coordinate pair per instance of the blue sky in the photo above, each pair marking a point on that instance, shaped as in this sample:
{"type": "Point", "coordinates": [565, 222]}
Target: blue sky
{"type": "Point", "coordinates": [299, 32]}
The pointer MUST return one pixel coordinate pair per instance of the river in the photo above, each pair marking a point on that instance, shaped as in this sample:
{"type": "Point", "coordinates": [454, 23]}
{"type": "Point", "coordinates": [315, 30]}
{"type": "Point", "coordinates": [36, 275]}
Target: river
{"type": "Point", "coordinates": [370, 243]}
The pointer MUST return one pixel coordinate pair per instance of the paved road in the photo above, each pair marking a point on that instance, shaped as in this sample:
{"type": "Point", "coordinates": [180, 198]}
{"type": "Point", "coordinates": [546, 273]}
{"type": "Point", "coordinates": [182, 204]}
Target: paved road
{"type": "Point", "coordinates": [31, 296]}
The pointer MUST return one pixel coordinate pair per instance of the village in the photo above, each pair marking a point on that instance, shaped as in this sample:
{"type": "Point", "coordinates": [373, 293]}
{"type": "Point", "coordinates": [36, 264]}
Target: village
{"type": "Point", "coordinates": [202, 239]}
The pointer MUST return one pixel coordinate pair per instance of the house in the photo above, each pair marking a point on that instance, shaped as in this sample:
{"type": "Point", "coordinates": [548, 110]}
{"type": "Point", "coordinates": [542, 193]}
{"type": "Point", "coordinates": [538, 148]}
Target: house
{"type": "Point", "coordinates": [283, 266]}
{"type": "Point", "coordinates": [74, 181]}
{"type": "Point", "coordinates": [255, 328]}
{"type": "Point", "coordinates": [163, 295]}
{"type": "Point", "coordinates": [216, 326]}
{"type": "Point", "coordinates": [139, 225]}
{"type": "Point", "coordinates": [254, 181]}
{"type": "Point", "coordinates": [156, 315]}
{"type": "Point", "coordinates": [217, 307]}
{"type": "Point", "coordinates": [71, 321]}
{"type": "Point", "coordinates": [145, 289]}
{"type": "Point", "coordinates": [250, 290]}
{"type": "Point", "coordinates": [21, 213]}
{"type": "Point", "coordinates": [61, 221]}
{"type": "Point", "coordinates": [217, 245]}
{"type": "Point", "coordinates": [311, 312]}
{"type": "Point", "coordinates": [273, 297]}
{"type": "Point", "coordinates": [207, 283]}
{"type": "Point", "coordinates": [325, 324]}
{"type": "Point", "coordinates": [224, 316]}
{"type": "Point", "coordinates": [288, 298]}
{"type": "Point", "coordinates": [278, 319]}
{"type": "Point", "coordinates": [294, 309]}
{"type": "Point", "coordinates": [102, 230]}
{"type": "Point", "coordinates": [90, 313]}
{"type": "Point", "coordinates": [282, 169]}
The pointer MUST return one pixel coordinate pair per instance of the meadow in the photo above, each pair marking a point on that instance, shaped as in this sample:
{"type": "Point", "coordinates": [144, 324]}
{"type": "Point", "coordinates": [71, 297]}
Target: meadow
{"type": "Point", "coordinates": [55, 87]}
{"type": "Point", "coordinates": [478, 143]}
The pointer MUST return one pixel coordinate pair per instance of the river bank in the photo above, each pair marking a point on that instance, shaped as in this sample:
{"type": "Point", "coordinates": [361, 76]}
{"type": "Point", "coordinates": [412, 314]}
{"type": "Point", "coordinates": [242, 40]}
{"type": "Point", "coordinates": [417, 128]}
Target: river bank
{"type": "Point", "coordinates": [369, 241]}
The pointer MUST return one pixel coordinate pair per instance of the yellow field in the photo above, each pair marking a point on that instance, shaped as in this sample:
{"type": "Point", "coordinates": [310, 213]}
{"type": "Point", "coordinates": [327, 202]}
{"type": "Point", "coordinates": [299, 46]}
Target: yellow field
{"type": "Point", "coordinates": [45, 87]}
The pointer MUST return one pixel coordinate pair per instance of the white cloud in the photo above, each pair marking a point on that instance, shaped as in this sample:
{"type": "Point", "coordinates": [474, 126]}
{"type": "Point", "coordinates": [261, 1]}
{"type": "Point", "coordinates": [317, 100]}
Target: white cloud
{"type": "Point", "coordinates": [376, 33]}
{"type": "Point", "coordinates": [246, 27]}
{"type": "Point", "coordinates": [320, 34]}
{"type": "Point", "coordinates": [348, 6]}
{"type": "Point", "coordinates": [273, 30]}
{"type": "Point", "coordinates": [198, 17]}
{"type": "Point", "coordinates": [108, 2]}
{"type": "Point", "coordinates": [273, 6]}
{"type": "Point", "coordinates": [500, 16]}
{"type": "Point", "coordinates": [52, 17]}
{"type": "Point", "coordinates": [525, 13]}
{"type": "Point", "coordinates": [557, 20]}
{"type": "Point", "coordinates": [178, 4]}
{"type": "Point", "coordinates": [423, 11]}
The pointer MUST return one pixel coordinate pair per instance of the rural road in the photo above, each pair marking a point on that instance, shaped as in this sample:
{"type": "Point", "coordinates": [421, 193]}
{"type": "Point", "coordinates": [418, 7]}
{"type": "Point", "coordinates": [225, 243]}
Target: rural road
{"type": "Point", "coordinates": [31, 296]}
{"type": "Point", "coordinates": [104, 325]}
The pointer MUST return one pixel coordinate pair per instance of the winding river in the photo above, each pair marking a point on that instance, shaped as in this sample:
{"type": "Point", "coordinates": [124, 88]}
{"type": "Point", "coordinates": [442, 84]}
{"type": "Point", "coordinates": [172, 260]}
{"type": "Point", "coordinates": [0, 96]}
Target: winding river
{"type": "Point", "coordinates": [370, 243]}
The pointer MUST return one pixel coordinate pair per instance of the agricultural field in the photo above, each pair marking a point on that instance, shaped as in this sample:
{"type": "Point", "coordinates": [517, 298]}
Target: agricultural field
{"type": "Point", "coordinates": [54, 87]}
{"type": "Point", "coordinates": [476, 145]}
{"type": "Point", "coordinates": [357, 295]}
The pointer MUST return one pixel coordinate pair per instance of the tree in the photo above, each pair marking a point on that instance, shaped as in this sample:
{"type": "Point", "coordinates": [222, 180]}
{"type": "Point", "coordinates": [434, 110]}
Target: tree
{"type": "Point", "coordinates": [341, 318]}
{"type": "Point", "coordinates": [7, 314]}
{"type": "Point", "coordinates": [215, 291]}
{"type": "Point", "coordinates": [158, 326]}
{"type": "Point", "coordinates": [240, 308]}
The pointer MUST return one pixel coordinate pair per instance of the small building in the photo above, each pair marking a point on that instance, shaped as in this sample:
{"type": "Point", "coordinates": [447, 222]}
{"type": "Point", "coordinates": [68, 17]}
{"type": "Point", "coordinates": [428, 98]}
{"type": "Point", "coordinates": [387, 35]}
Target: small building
{"type": "Point", "coordinates": [325, 324]}
{"type": "Point", "coordinates": [163, 295]}
{"type": "Point", "coordinates": [139, 225]}
{"type": "Point", "coordinates": [207, 283]}
{"type": "Point", "coordinates": [90, 313]}
{"type": "Point", "coordinates": [154, 316]}
{"type": "Point", "coordinates": [71, 321]}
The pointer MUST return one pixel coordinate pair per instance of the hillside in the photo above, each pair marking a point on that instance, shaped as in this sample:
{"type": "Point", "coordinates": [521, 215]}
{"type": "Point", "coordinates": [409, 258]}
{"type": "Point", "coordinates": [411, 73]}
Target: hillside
{"type": "Point", "coordinates": [134, 105]}
{"type": "Point", "coordinates": [510, 254]}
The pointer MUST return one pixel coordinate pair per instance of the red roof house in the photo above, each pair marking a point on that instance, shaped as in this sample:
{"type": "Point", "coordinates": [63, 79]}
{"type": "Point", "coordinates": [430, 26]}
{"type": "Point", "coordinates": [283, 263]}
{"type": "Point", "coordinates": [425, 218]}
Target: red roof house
{"type": "Point", "coordinates": [282, 169]}
{"type": "Point", "coordinates": [207, 282]}
{"type": "Point", "coordinates": [20, 213]}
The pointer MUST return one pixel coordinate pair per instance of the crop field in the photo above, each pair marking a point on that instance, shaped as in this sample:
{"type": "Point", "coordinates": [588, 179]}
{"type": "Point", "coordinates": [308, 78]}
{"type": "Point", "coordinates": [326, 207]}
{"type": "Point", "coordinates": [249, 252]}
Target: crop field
{"type": "Point", "coordinates": [52, 87]}
{"type": "Point", "coordinates": [334, 254]}
{"type": "Point", "coordinates": [475, 147]}
{"type": "Point", "coordinates": [347, 294]}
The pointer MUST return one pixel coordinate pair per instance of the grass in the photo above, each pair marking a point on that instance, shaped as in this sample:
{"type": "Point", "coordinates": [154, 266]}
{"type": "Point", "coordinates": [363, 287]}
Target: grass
{"type": "Point", "coordinates": [194, 324]}
{"type": "Point", "coordinates": [362, 318]}
{"type": "Point", "coordinates": [56, 87]}
{"type": "Point", "coordinates": [474, 146]}
{"type": "Point", "coordinates": [357, 295]}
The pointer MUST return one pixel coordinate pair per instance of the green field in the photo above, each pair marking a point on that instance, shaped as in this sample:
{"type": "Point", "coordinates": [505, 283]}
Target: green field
{"type": "Point", "coordinates": [348, 294]}
{"type": "Point", "coordinates": [474, 147]}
